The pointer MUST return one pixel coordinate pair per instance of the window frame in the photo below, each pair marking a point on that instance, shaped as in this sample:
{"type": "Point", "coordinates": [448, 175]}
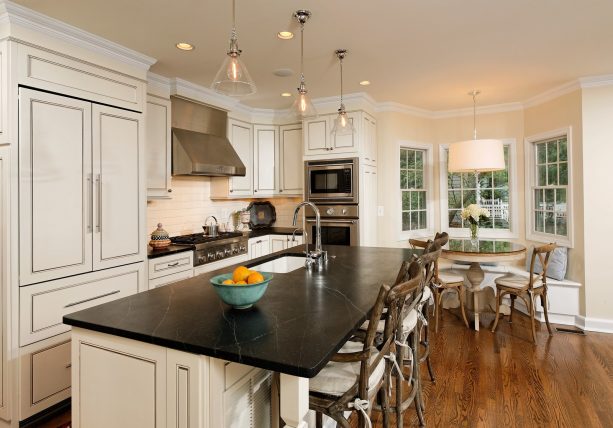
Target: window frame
{"type": "Point", "coordinates": [428, 187]}
{"type": "Point", "coordinates": [513, 232]}
{"type": "Point", "coordinates": [531, 183]}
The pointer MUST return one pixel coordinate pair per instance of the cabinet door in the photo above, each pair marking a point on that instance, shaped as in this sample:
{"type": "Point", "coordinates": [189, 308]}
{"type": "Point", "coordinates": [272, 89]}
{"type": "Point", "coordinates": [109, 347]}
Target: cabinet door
{"type": "Point", "coordinates": [247, 404]}
{"type": "Point", "coordinates": [4, 242]}
{"type": "Point", "coordinates": [295, 241]}
{"type": "Point", "coordinates": [240, 135]}
{"type": "Point", "coordinates": [291, 171]}
{"type": "Point", "coordinates": [119, 199]}
{"type": "Point", "coordinates": [266, 159]}
{"type": "Point", "coordinates": [369, 148]}
{"type": "Point", "coordinates": [346, 143]}
{"type": "Point", "coordinates": [316, 135]}
{"type": "Point", "coordinates": [368, 209]}
{"type": "Point", "coordinates": [187, 390]}
{"type": "Point", "coordinates": [55, 180]}
{"type": "Point", "coordinates": [158, 148]}
{"type": "Point", "coordinates": [278, 243]}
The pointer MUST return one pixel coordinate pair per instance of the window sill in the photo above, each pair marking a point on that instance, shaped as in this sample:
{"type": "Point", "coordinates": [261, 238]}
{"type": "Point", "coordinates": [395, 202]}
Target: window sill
{"type": "Point", "coordinates": [547, 239]}
{"type": "Point", "coordinates": [416, 234]}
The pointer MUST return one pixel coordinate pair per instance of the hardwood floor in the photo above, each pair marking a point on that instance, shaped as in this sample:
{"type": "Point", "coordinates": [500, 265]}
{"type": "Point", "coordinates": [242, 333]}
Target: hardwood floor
{"type": "Point", "coordinates": [503, 380]}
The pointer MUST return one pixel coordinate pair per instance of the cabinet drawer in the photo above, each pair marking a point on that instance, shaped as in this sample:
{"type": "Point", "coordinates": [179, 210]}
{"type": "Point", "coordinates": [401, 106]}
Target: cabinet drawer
{"type": "Point", "coordinates": [169, 279]}
{"type": "Point", "coordinates": [167, 265]}
{"type": "Point", "coordinates": [50, 370]}
{"type": "Point", "coordinates": [42, 306]}
{"type": "Point", "coordinates": [235, 372]}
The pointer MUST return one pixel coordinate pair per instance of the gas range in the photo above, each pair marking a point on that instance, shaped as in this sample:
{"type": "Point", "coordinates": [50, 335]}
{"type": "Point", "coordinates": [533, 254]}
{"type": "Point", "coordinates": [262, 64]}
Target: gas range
{"type": "Point", "coordinates": [208, 249]}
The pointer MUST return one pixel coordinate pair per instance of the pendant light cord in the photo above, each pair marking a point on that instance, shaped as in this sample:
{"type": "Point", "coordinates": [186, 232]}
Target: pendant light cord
{"type": "Point", "coordinates": [234, 37]}
{"type": "Point", "coordinates": [302, 52]}
{"type": "Point", "coordinates": [341, 59]}
{"type": "Point", "coordinates": [474, 115]}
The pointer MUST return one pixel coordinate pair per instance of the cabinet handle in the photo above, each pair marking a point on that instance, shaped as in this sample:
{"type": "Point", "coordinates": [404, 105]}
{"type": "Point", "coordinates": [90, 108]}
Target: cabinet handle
{"type": "Point", "coordinates": [255, 191]}
{"type": "Point", "coordinates": [69, 365]}
{"type": "Point", "coordinates": [280, 191]}
{"type": "Point", "coordinates": [231, 190]}
{"type": "Point", "coordinates": [169, 190]}
{"type": "Point", "coordinates": [258, 242]}
{"type": "Point", "coordinates": [90, 203]}
{"type": "Point", "coordinates": [173, 264]}
{"type": "Point", "coordinates": [91, 298]}
{"type": "Point", "coordinates": [99, 219]}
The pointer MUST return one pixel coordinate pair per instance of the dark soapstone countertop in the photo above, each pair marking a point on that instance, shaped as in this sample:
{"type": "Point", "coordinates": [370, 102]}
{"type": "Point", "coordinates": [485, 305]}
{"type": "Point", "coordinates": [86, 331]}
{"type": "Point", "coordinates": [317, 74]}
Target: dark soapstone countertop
{"type": "Point", "coordinates": [301, 321]}
{"type": "Point", "coordinates": [171, 249]}
{"type": "Point", "coordinates": [273, 231]}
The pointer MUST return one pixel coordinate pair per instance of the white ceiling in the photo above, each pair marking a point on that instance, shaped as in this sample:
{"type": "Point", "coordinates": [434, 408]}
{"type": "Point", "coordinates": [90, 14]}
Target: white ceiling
{"type": "Point", "coordinates": [423, 53]}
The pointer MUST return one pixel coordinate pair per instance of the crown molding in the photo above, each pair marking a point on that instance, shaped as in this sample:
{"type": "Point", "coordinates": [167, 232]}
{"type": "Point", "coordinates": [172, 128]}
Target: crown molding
{"type": "Point", "coordinates": [392, 106]}
{"type": "Point", "coordinates": [27, 18]}
{"type": "Point", "coordinates": [595, 81]}
{"type": "Point", "coordinates": [552, 94]}
{"type": "Point", "coordinates": [468, 111]}
{"type": "Point", "coordinates": [204, 95]}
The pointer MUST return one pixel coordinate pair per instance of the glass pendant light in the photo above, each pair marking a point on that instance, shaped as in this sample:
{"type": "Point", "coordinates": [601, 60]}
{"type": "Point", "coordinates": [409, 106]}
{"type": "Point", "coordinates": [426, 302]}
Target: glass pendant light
{"type": "Point", "coordinates": [342, 124]}
{"type": "Point", "coordinates": [233, 79]}
{"type": "Point", "coordinates": [303, 107]}
{"type": "Point", "coordinates": [476, 155]}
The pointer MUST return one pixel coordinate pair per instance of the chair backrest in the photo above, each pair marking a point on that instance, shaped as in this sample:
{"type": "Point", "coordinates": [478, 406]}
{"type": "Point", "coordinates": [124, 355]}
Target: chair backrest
{"type": "Point", "coordinates": [407, 271]}
{"type": "Point", "coordinates": [441, 238]}
{"type": "Point", "coordinates": [543, 253]}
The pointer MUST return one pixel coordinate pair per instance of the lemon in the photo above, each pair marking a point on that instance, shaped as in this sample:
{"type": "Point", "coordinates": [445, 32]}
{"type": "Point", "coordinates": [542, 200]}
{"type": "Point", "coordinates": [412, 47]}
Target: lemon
{"type": "Point", "coordinates": [240, 274]}
{"type": "Point", "coordinates": [254, 278]}
{"type": "Point", "coordinates": [228, 282]}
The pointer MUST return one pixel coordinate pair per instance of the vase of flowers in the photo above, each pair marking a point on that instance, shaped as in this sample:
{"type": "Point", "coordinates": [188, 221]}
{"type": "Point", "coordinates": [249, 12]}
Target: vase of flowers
{"type": "Point", "coordinates": [475, 214]}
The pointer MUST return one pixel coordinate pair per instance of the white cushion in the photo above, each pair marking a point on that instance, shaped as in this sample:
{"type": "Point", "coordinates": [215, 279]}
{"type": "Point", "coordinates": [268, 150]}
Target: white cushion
{"type": "Point", "coordinates": [336, 378]}
{"type": "Point", "coordinates": [515, 281]}
{"type": "Point", "coordinates": [409, 322]}
{"type": "Point", "coordinates": [449, 276]}
{"type": "Point", "coordinates": [426, 295]}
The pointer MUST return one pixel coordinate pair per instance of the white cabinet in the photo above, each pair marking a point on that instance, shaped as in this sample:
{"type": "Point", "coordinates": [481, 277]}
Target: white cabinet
{"type": "Point", "coordinates": [56, 186]}
{"type": "Point", "coordinates": [81, 188]}
{"type": "Point", "coordinates": [4, 277]}
{"type": "Point", "coordinates": [369, 138]}
{"type": "Point", "coordinates": [318, 139]}
{"type": "Point", "coordinates": [368, 211]}
{"type": "Point", "coordinates": [119, 202]}
{"type": "Point", "coordinates": [187, 390]}
{"type": "Point", "coordinates": [158, 146]}
{"type": "Point", "coordinates": [291, 169]}
{"type": "Point", "coordinates": [4, 96]}
{"type": "Point", "coordinates": [168, 269]}
{"type": "Point", "coordinates": [283, 242]}
{"type": "Point", "coordinates": [240, 135]}
{"type": "Point", "coordinates": [265, 159]}
{"type": "Point", "coordinates": [259, 247]}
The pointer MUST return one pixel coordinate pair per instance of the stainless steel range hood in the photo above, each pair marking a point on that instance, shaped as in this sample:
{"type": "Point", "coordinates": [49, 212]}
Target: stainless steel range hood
{"type": "Point", "coordinates": [199, 143]}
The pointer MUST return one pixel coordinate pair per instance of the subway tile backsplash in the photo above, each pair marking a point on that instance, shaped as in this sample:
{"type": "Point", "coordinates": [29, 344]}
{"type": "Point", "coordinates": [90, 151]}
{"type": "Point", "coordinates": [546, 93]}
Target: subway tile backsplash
{"type": "Point", "coordinates": [191, 204]}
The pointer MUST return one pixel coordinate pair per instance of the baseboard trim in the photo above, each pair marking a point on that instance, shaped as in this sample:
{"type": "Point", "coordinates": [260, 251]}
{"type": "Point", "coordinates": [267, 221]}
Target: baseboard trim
{"type": "Point", "coordinates": [37, 419]}
{"type": "Point", "coordinates": [600, 325]}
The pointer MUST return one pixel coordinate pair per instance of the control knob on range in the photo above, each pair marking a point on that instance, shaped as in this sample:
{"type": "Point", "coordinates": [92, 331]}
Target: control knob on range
{"type": "Point", "coordinates": [210, 256]}
{"type": "Point", "coordinates": [227, 252]}
{"type": "Point", "coordinates": [201, 259]}
{"type": "Point", "coordinates": [235, 250]}
{"type": "Point", "coordinates": [219, 255]}
{"type": "Point", "coordinates": [330, 211]}
{"type": "Point", "coordinates": [243, 248]}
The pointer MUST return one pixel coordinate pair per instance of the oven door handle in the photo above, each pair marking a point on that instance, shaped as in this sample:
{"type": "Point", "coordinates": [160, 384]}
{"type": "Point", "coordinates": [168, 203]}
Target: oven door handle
{"type": "Point", "coordinates": [310, 220]}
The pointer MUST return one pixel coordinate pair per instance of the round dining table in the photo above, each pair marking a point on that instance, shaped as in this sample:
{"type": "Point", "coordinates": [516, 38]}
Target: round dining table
{"type": "Point", "coordinates": [476, 252]}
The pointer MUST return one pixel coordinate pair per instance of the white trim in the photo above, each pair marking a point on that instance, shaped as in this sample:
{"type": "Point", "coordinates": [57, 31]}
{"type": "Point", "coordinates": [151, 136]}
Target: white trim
{"type": "Point", "coordinates": [44, 24]}
{"type": "Point", "coordinates": [468, 111]}
{"type": "Point", "coordinates": [393, 106]}
{"type": "Point", "coordinates": [514, 202]}
{"type": "Point", "coordinates": [552, 93]}
{"type": "Point", "coordinates": [594, 81]}
{"type": "Point", "coordinates": [601, 325]}
{"type": "Point", "coordinates": [530, 181]}
{"type": "Point", "coordinates": [428, 186]}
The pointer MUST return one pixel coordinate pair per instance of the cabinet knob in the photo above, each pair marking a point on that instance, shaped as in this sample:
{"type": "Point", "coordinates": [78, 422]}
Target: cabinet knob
{"type": "Point", "coordinates": [231, 190]}
{"type": "Point", "coordinates": [169, 190]}
{"type": "Point", "coordinates": [255, 190]}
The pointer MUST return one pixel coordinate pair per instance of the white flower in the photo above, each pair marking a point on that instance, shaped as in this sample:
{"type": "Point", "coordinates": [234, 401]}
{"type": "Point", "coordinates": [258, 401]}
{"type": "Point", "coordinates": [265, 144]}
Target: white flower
{"type": "Point", "coordinates": [474, 212]}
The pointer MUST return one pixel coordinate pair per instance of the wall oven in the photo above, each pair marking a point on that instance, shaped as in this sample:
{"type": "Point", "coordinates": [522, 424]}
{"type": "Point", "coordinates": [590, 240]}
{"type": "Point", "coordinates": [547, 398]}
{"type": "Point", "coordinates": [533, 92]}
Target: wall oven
{"type": "Point", "coordinates": [332, 181]}
{"type": "Point", "coordinates": [339, 225]}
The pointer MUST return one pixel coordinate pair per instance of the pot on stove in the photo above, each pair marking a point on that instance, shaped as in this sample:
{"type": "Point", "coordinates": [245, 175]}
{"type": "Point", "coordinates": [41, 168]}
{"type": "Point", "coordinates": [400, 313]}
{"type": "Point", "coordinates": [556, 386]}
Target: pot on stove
{"type": "Point", "coordinates": [211, 229]}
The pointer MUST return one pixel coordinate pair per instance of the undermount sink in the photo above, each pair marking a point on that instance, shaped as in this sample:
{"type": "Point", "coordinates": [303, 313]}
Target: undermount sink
{"type": "Point", "coordinates": [281, 265]}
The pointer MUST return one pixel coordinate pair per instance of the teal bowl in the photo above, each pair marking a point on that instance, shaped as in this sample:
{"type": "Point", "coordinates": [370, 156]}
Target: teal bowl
{"type": "Point", "coordinates": [240, 296]}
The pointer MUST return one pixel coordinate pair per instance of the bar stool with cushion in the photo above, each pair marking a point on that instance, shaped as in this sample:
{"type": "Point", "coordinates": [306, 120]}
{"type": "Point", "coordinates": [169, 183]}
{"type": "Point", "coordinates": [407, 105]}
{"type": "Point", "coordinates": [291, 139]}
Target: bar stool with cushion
{"type": "Point", "coordinates": [354, 376]}
{"type": "Point", "coordinates": [527, 287]}
{"type": "Point", "coordinates": [444, 279]}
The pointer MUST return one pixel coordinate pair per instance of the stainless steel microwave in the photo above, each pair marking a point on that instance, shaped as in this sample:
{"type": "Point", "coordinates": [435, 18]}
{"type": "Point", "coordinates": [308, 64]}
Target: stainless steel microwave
{"type": "Point", "coordinates": [332, 181]}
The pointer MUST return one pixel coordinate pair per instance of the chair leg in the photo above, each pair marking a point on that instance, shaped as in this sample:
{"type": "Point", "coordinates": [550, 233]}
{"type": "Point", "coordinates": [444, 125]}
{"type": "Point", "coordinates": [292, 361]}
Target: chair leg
{"type": "Point", "coordinates": [438, 309]}
{"type": "Point", "coordinates": [319, 420]}
{"type": "Point", "coordinates": [544, 304]}
{"type": "Point", "coordinates": [417, 384]}
{"type": "Point", "coordinates": [462, 293]}
{"type": "Point", "coordinates": [426, 343]}
{"type": "Point", "coordinates": [498, 300]}
{"type": "Point", "coordinates": [398, 379]}
{"type": "Point", "coordinates": [532, 316]}
{"type": "Point", "coordinates": [513, 297]}
{"type": "Point", "coordinates": [384, 400]}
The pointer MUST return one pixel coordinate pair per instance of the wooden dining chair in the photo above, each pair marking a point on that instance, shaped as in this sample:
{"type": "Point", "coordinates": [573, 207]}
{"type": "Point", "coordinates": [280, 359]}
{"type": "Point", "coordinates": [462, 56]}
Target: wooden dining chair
{"type": "Point", "coordinates": [355, 375]}
{"type": "Point", "coordinates": [444, 279]}
{"type": "Point", "coordinates": [527, 287]}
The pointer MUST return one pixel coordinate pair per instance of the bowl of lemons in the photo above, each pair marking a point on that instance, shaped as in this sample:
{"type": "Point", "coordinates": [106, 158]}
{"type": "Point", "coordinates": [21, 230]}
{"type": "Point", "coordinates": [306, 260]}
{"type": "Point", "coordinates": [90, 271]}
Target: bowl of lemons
{"type": "Point", "coordinates": [241, 288]}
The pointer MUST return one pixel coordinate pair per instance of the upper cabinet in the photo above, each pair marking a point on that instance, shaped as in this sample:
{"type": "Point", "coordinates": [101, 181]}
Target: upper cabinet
{"type": "Point", "coordinates": [291, 170]}
{"type": "Point", "coordinates": [319, 141]}
{"type": "Point", "coordinates": [158, 147]}
{"type": "Point", "coordinates": [81, 198]}
{"type": "Point", "coordinates": [272, 156]}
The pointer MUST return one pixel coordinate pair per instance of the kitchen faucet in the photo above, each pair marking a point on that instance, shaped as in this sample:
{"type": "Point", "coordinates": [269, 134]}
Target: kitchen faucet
{"type": "Point", "coordinates": [317, 256]}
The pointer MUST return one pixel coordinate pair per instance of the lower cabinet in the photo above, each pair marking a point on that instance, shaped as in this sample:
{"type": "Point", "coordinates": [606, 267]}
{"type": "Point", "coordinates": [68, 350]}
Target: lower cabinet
{"type": "Point", "coordinates": [168, 269]}
{"type": "Point", "coordinates": [283, 242]}
{"type": "Point", "coordinates": [4, 276]}
{"type": "Point", "coordinates": [187, 390]}
{"type": "Point", "coordinates": [259, 247]}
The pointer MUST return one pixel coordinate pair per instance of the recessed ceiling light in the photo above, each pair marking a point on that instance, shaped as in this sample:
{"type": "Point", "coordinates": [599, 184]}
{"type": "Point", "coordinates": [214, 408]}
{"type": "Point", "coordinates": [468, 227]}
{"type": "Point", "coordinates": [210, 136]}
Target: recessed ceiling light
{"type": "Point", "coordinates": [184, 46]}
{"type": "Point", "coordinates": [285, 35]}
{"type": "Point", "coordinates": [365, 82]}
{"type": "Point", "coordinates": [283, 72]}
{"type": "Point", "coordinates": [286, 94]}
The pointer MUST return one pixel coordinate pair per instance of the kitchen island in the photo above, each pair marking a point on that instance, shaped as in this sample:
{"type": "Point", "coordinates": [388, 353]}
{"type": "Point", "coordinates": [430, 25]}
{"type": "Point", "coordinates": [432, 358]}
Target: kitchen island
{"type": "Point", "coordinates": [158, 358]}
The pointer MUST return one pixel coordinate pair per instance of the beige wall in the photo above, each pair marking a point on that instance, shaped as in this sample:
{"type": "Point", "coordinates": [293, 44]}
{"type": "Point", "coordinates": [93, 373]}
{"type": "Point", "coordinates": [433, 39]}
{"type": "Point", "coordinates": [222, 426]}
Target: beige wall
{"type": "Point", "coordinates": [191, 204]}
{"type": "Point", "coordinates": [597, 110]}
